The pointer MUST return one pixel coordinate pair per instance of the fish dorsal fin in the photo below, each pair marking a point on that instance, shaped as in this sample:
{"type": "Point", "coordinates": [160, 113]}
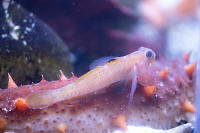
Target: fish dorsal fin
{"type": "Point", "coordinates": [101, 61]}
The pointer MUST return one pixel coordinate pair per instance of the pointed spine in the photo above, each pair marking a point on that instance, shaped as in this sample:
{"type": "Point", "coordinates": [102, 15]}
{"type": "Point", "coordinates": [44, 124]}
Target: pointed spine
{"type": "Point", "coordinates": [43, 80]}
{"type": "Point", "coordinates": [164, 74]}
{"type": "Point", "coordinates": [149, 91]}
{"type": "Point", "coordinates": [120, 121]}
{"type": "Point", "coordinates": [11, 83]}
{"type": "Point", "coordinates": [189, 69]}
{"type": "Point", "coordinates": [73, 76]}
{"type": "Point", "coordinates": [186, 57]}
{"type": "Point", "coordinates": [62, 76]}
{"type": "Point", "coordinates": [188, 106]}
{"type": "Point", "coordinates": [62, 127]}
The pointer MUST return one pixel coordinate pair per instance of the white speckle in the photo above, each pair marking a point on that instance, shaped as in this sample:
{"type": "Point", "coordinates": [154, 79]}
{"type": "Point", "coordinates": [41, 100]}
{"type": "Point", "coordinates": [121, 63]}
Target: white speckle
{"type": "Point", "coordinates": [24, 42]}
{"type": "Point", "coordinates": [10, 23]}
{"type": "Point", "coordinates": [28, 29]}
{"type": "Point", "coordinates": [13, 32]}
{"type": "Point", "coordinates": [25, 20]}
{"type": "Point", "coordinates": [5, 4]}
{"type": "Point", "coordinates": [6, 13]}
{"type": "Point", "coordinates": [155, 96]}
{"type": "Point", "coordinates": [161, 84]}
{"type": "Point", "coordinates": [7, 50]}
{"type": "Point", "coordinates": [4, 35]}
{"type": "Point", "coordinates": [4, 109]}
{"type": "Point", "coordinates": [16, 27]}
{"type": "Point", "coordinates": [33, 25]}
{"type": "Point", "coordinates": [14, 35]}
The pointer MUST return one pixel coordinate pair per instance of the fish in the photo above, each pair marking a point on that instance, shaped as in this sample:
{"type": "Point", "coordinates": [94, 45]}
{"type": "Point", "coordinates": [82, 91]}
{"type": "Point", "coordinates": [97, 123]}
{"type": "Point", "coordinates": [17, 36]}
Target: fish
{"type": "Point", "coordinates": [95, 80]}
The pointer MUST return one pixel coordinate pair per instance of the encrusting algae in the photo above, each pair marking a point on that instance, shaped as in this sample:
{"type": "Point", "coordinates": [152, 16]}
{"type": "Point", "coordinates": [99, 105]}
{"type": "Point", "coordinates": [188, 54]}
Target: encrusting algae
{"type": "Point", "coordinates": [160, 101]}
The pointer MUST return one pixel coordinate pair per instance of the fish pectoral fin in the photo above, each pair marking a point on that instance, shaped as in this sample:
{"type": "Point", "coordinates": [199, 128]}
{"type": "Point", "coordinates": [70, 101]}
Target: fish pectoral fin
{"type": "Point", "coordinates": [133, 85]}
{"type": "Point", "coordinates": [118, 87]}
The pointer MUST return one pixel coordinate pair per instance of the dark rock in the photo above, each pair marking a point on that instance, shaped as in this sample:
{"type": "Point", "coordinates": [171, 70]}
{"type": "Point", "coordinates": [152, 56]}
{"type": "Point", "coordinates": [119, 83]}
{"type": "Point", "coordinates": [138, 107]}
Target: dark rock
{"type": "Point", "coordinates": [28, 47]}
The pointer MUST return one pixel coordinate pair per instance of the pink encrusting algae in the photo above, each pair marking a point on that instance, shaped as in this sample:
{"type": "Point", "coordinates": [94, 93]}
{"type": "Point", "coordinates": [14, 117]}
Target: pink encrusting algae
{"type": "Point", "coordinates": [159, 102]}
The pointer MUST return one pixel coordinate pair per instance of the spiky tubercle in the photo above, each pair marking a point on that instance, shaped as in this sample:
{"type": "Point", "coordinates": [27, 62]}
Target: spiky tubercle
{"type": "Point", "coordinates": [16, 95]}
{"type": "Point", "coordinates": [11, 82]}
{"type": "Point", "coordinates": [166, 96]}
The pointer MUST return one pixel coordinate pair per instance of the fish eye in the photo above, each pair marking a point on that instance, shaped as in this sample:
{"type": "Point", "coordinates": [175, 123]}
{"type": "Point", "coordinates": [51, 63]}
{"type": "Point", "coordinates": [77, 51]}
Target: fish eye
{"type": "Point", "coordinates": [149, 54]}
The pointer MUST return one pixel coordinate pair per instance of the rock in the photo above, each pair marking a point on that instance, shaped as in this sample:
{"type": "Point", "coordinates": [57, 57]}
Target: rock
{"type": "Point", "coordinates": [28, 47]}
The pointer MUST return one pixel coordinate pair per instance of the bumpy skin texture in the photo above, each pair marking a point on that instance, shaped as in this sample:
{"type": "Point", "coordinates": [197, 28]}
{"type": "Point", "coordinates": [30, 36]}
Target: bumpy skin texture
{"type": "Point", "coordinates": [96, 113]}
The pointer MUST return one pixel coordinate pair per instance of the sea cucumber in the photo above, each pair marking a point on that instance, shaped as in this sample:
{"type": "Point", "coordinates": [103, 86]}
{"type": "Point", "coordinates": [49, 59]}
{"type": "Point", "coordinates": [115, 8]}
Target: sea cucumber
{"type": "Point", "coordinates": [159, 102]}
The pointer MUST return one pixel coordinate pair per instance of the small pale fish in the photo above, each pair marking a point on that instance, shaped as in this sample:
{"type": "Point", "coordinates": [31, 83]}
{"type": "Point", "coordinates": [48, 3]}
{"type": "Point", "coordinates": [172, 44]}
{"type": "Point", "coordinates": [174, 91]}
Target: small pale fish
{"type": "Point", "coordinates": [95, 80]}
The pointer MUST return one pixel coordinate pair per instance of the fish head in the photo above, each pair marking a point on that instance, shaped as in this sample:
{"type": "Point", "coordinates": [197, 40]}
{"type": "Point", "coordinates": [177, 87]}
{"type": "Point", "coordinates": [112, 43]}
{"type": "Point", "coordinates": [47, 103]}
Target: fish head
{"type": "Point", "coordinates": [149, 55]}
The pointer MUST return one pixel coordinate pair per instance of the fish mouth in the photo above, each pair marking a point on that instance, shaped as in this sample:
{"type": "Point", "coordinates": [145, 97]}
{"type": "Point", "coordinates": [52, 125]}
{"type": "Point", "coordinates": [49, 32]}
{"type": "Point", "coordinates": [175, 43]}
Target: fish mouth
{"type": "Point", "coordinates": [150, 62]}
